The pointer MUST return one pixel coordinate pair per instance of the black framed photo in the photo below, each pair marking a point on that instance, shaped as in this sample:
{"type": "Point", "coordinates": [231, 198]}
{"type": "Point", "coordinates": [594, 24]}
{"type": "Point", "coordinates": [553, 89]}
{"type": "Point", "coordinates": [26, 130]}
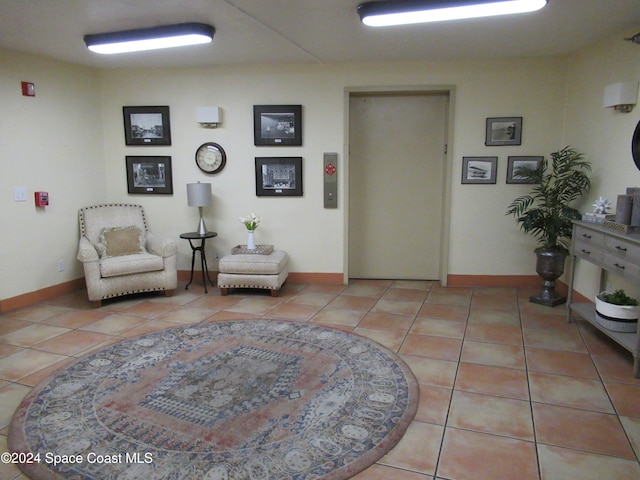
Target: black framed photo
{"type": "Point", "coordinates": [150, 175]}
{"type": "Point", "coordinates": [277, 125]}
{"type": "Point", "coordinates": [514, 163]}
{"type": "Point", "coordinates": [146, 125]}
{"type": "Point", "coordinates": [279, 176]}
{"type": "Point", "coordinates": [479, 169]}
{"type": "Point", "coordinates": [503, 131]}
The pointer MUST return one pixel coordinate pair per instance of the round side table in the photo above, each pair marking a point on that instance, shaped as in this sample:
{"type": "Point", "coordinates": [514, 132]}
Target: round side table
{"type": "Point", "coordinates": [191, 237]}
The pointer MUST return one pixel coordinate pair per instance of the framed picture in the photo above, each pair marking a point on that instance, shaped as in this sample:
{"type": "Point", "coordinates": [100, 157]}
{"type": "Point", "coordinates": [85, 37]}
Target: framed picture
{"type": "Point", "coordinates": [150, 175]}
{"type": "Point", "coordinates": [503, 131]}
{"type": "Point", "coordinates": [514, 163]}
{"type": "Point", "coordinates": [277, 125]}
{"type": "Point", "coordinates": [146, 125]}
{"type": "Point", "coordinates": [279, 176]}
{"type": "Point", "coordinates": [479, 169]}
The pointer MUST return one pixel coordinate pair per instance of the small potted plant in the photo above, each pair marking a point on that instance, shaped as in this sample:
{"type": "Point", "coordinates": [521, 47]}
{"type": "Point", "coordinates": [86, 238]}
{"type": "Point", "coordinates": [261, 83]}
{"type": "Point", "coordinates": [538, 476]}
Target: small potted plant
{"type": "Point", "coordinates": [617, 311]}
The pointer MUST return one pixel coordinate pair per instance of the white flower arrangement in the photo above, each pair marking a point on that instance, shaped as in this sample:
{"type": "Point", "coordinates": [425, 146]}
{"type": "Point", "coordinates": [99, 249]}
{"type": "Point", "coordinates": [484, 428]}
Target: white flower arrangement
{"type": "Point", "coordinates": [251, 221]}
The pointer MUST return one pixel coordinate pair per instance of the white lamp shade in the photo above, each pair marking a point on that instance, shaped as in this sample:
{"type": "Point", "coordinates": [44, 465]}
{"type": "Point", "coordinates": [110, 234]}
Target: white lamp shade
{"type": "Point", "coordinates": [199, 194]}
{"type": "Point", "coordinates": [623, 93]}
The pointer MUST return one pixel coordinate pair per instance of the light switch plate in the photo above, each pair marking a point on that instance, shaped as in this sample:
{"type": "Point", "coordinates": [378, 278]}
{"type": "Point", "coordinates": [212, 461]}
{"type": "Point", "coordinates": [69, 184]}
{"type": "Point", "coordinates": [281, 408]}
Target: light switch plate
{"type": "Point", "coordinates": [19, 194]}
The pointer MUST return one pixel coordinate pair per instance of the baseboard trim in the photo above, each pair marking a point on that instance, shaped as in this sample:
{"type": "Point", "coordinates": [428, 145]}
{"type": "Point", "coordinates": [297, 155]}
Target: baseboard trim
{"type": "Point", "coordinates": [318, 278]}
{"type": "Point", "coordinates": [31, 298]}
{"type": "Point", "coordinates": [493, 281]}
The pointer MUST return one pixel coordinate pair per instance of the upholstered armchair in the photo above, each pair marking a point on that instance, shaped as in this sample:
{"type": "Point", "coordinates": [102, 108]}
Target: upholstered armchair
{"type": "Point", "coordinates": [121, 256]}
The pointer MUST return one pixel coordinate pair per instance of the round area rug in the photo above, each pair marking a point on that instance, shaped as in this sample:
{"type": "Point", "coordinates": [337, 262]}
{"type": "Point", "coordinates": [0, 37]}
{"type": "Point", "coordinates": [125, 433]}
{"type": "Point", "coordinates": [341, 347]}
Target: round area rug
{"type": "Point", "coordinates": [250, 400]}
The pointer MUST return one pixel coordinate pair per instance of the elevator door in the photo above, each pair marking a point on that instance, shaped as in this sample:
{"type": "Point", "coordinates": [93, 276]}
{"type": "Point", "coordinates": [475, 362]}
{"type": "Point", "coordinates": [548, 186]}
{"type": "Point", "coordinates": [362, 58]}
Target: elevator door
{"type": "Point", "coordinates": [396, 178]}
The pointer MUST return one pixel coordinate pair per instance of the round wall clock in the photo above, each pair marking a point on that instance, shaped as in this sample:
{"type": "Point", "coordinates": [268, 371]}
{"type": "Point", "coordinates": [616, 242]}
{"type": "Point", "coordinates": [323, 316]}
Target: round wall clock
{"type": "Point", "coordinates": [210, 157]}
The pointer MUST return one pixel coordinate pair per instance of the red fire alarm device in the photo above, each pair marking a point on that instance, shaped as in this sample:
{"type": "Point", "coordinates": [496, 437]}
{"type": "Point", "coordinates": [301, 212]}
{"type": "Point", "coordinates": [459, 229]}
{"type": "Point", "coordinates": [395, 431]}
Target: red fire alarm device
{"type": "Point", "coordinates": [28, 89]}
{"type": "Point", "coordinates": [42, 199]}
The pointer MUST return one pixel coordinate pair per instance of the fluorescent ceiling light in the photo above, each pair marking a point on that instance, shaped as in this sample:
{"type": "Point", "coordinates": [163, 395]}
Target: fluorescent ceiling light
{"type": "Point", "coordinates": [404, 12]}
{"type": "Point", "coordinates": [166, 36]}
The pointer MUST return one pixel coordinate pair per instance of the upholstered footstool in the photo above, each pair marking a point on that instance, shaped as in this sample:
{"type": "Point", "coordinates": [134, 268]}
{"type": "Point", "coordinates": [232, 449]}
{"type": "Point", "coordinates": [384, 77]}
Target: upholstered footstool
{"type": "Point", "coordinates": [253, 271]}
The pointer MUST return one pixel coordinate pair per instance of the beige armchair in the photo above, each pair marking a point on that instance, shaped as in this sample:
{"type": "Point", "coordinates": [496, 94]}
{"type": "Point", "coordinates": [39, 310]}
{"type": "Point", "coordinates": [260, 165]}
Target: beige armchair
{"type": "Point", "coordinates": [121, 256]}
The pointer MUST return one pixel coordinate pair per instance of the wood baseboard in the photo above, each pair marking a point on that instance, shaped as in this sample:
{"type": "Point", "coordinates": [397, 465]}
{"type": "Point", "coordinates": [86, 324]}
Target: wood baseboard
{"type": "Point", "coordinates": [41, 295]}
{"type": "Point", "coordinates": [521, 281]}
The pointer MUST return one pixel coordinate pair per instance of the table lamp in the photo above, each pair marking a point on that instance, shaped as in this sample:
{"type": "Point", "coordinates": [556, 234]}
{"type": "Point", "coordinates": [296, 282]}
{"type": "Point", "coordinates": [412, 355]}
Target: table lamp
{"type": "Point", "coordinates": [199, 195]}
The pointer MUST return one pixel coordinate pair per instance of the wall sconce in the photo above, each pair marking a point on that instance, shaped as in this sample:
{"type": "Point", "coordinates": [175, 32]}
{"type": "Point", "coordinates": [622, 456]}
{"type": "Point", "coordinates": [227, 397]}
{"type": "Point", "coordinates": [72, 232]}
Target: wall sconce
{"type": "Point", "coordinates": [208, 117]}
{"type": "Point", "coordinates": [199, 195]}
{"type": "Point", "coordinates": [621, 96]}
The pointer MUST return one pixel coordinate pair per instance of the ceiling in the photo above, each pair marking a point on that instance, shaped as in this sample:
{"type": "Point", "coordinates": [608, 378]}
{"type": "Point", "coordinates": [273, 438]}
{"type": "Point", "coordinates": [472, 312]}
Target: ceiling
{"type": "Point", "coordinates": [303, 31]}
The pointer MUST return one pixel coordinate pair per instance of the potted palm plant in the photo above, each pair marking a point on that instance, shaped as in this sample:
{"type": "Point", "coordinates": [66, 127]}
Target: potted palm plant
{"type": "Point", "coordinates": [547, 214]}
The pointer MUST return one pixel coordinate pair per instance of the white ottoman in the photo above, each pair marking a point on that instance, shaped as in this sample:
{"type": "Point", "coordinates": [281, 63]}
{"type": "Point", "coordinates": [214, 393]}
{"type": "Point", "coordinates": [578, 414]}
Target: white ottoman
{"type": "Point", "coordinates": [253, 271]}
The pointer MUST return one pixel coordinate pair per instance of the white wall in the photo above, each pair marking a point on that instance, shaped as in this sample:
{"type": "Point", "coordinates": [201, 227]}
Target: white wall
{"type": "Point", "coordinates": [605, 135]}
{"type": "Point", "coordinates": [314, 237]}
{"type": "Point", "coordinates": [69, 141]}
{"type": "Point", "coordinates": [51, 142]}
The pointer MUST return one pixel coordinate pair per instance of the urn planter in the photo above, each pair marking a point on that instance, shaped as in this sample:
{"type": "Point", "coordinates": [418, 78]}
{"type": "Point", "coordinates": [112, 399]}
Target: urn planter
{"type": "Point", "coordinates": [550, 266]}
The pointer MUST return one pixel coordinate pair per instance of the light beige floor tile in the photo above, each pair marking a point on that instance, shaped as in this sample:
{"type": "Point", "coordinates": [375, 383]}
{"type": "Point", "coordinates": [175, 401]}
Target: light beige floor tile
{"type": "Point", "coordinates": [34, 333]}
{"type": "Point", "coordinates": [485, 413]}
{"type": "Point", "coordinates": [470, 455]}
{"type": "Point", "coordinates": [574, 428]}
{"type": "Point", "coordinates": [418, 449]}
{"type": "Point", "coordinates": [390, 339]}
{"type": "Point", "coordinates": [432, 372]}
{"type": "Point", "coordinates": [569, 392]}
{"type": "Point", "coordinates": [441, 348]}
{"type": "Point", "coordinates": [10, 398]}
{"type": "Point", "coordinates": [490, 380]}
{"type": "Point", "coordinates": [562, 464]}
{"type": "Point", "coordinates": [438, 328]}
{"type": "Point", "coordinates": [25, 362]}
{"type": "Point", "coordinates": [509, 356]}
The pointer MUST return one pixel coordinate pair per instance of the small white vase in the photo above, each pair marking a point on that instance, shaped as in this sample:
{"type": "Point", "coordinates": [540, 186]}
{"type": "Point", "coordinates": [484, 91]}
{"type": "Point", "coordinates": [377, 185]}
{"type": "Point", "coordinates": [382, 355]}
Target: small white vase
{"type": "Point", "coordinates": [251, 241]}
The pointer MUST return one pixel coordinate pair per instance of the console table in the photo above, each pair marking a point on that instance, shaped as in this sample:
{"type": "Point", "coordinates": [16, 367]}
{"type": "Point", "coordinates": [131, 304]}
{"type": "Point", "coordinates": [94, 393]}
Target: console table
{"type": "Point", "coordinates": [613, 252]}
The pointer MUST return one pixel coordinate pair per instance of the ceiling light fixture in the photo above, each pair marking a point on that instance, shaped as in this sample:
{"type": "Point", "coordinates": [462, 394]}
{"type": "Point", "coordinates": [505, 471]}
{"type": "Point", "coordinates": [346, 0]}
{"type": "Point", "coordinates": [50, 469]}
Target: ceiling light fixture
{"type": "Point", "coordinates": [404, 12]}
{"type": "Point", "coordinates": [166, 36]}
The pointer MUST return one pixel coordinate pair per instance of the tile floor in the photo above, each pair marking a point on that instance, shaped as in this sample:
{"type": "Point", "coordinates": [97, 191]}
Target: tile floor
{"type": "Point", "coordinates": [508, 388]}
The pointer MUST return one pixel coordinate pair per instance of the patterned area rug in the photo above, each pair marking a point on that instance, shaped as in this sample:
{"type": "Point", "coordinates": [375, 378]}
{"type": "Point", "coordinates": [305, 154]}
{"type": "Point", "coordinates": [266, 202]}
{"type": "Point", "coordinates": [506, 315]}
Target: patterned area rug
{"type": "Point", "coordinates": [250, 400]}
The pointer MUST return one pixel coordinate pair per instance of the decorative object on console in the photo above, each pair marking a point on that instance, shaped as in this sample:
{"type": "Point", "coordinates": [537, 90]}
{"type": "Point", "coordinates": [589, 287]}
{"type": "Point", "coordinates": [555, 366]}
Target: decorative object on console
{"type": "Point", "coordinates": [199, 195]}
{"type": "Point", "coordinates": [600, 212]}
{"type": "Point", "coordinates": [147, 125]}
{"type": "Point", "coordinates": [547, 214]}
{"type": "Point", "coordinates": [500, 131]}
{"type": "Point", "coordinates": [627, 217]}
{"type": "Point", "coordinates": [617, 311]}
{"type": "Point", "coordinates": [149, 175]}
{"type": "Point", "coordinates": [279, 125]}
{"type": "Point", "coordinates": [211, 157]}
{"type": "Point", "coordinates": [251, 222]}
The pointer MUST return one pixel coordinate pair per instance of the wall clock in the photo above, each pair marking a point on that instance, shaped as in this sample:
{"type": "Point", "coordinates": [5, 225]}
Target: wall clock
{"type": "Point", "coordinates": [210, 157]}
